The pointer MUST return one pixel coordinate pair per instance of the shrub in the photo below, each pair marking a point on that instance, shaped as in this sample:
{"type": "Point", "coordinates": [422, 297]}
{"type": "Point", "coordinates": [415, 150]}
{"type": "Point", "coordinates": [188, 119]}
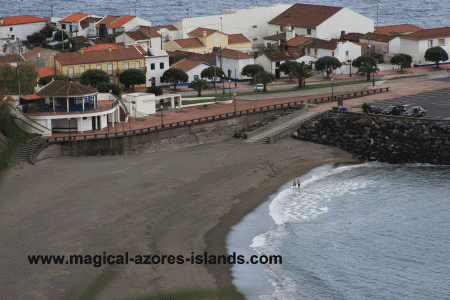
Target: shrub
{"type": "Point", "coordinates": [155, 90]}
{"type": "Point", "coordinates": [366, 107]}
{"type": "Point", "coordinates": [105, 87]}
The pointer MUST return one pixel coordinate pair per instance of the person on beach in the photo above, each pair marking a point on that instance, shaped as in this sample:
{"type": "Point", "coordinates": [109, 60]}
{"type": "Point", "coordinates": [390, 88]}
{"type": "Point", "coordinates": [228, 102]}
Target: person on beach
{"type": "Point", "coordinates": [295, 185]}
{"type": "Point", "coordinates": [298, 183]}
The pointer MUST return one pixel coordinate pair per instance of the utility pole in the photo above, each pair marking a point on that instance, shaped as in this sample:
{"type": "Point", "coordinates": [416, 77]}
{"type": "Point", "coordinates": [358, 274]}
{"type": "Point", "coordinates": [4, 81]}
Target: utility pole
{"type": "Point", "coordinates": [51, 10]}
{"type": "Point", "coordinates": [135, 6]}
{"type": "Point", "coordinates": [378, 1]}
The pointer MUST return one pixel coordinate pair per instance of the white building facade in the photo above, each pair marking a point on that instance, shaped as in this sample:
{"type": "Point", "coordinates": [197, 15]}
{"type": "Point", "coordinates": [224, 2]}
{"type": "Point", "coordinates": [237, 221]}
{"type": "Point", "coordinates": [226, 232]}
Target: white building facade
{"type": "Point", "coordinates": [17, 28]}
{"type": "Point", "coordinates": [156, 65]}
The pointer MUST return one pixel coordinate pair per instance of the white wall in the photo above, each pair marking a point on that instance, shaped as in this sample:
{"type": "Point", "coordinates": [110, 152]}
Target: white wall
{"type": "Point", "coordinates": [237, 21]}
{"type": "Point", "coordinates": [354, 51]}
{"type": "Point", "coordinates": [21, 31]}
{"type": "Point", "coordinates": [344, 20]}
{"type": "Point", "coordinates": [159, 56]}
{"type": "Point", "coordinates": [135, 22]}
{"type": "Point", "coordinates": [197, 70]}
{"type": "Point", "coordinates": [265, 62]}
{"type": "Point", "coordinates": [234, 64]}
{"type": "Point", "coordinates": [394, 45]}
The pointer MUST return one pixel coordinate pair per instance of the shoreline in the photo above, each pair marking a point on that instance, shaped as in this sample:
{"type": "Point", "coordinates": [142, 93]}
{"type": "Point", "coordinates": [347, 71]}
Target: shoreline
{"type": "Point", "coordinates": [171, 202]}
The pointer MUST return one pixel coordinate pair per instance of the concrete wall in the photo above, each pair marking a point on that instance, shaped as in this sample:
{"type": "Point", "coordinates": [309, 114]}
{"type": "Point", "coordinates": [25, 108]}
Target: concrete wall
{"type": "Point", "coordinates": [344, 20]}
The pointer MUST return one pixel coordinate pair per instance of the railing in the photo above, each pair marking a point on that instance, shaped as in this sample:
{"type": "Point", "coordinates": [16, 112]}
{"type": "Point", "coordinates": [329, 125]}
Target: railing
{"type": "Point", "coordinates": [202, 120]}
{"type": "Point", "coordinates": [75, 108]}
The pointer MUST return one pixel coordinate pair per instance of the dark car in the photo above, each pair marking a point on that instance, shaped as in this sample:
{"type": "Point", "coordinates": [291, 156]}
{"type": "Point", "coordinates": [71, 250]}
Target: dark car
{"type": "Point", "coordinates": [376, 110]}
{"type": "Point", "coordinates": [392, 110]}
{"type": "Point", "coordinates": [416, 111]}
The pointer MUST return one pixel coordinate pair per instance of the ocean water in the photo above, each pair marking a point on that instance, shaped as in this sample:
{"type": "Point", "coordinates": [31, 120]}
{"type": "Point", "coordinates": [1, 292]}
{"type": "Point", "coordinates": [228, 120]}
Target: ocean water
{"type": "Point", "coordinates": [425, 14]}
{"type": "Point", "coordinates": [368, 231]}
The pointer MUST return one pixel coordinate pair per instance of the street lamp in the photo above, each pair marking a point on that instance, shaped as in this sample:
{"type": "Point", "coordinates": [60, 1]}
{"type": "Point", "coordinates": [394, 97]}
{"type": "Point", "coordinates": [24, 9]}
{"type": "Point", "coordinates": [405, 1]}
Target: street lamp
{"type": "Point", "coordinates": [234, 103]}
{"type": "Point", "coordinates": [332, 87]}
{"type": "Point", "coordinates": [229, 86]}
{"type": "Point", "coordinates": [374, 68]}
{"type": "Point", "coordinates": [223, 85]}
{"type": "Point", "coordinates": [350, 61]}
{"type": "Point", "coordinates": [235, 78]}
{"type": "Point", "coordinates": [162, 116]}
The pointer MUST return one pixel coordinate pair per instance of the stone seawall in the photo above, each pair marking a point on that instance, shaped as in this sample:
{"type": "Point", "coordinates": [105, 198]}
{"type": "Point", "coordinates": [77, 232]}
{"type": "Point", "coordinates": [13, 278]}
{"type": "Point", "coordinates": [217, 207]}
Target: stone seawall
{"type": "Point", "coordinates": [382, 138]}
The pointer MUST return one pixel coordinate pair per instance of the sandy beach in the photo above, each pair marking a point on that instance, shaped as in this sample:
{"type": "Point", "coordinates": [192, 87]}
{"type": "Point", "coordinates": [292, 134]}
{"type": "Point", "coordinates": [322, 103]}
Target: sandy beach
{"type": "Point", "coordinates": [168, 203]}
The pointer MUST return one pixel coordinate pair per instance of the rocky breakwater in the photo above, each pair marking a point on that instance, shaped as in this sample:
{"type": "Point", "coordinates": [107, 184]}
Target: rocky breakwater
{"type": "Point", "coordinates": [382, 138]}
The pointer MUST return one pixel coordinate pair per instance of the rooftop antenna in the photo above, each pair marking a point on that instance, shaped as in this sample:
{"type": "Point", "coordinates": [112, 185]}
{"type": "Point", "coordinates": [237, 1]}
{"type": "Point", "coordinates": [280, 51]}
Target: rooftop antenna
{"type": "Point", "coordinates": [378, 1]}
{"type": "Point", "coordinates": [187, 9]}
{"type": "Point", "coordinates": [135, 5]}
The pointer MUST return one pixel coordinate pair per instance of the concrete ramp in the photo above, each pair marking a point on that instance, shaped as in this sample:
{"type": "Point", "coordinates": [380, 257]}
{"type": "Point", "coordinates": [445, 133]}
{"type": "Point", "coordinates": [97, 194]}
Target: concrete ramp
{"type": "Point", "coordinates": [280, 128]}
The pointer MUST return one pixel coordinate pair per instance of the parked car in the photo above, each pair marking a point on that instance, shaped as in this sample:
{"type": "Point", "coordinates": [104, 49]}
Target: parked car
{"type": "Point", "coordinates": [416, 111]}
{"type": "Point", "coordinates": [402, 108]}
{"type": "Point", "coordinates": [392, 110]}
{"type": "Point", "coordinates": [259, 87]}
{"type": "Point", "coordinates": [376, 110]}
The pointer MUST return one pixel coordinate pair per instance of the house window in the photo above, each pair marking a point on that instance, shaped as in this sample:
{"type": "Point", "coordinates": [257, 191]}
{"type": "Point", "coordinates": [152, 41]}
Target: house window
{"type": "Point", "coordinates": [10, 29]}
{"type": "Point", "coordinates": [161, 79]}
{"type": "Point", "coordinates": [309, 50]}
{"type": "Point", "coordinates": [70, 72]}
{"type": "Point", "coordinates": [217, 39]}
{"type": "Point", "coordinates": [308, 31]}
{"type": "Point", "coordinates": [81, 69]}
{"type": "Point", "coordinates": [152, 66]}
{"type": "Point", "coordinates": [281, 28]}
{"type": "Point", "coordinates": [244, 49]}
{"type": "Point", "coordinates": [137, 65]}
{"type": "Point", "coordinates": [125, 66]}
{"type": "Point", "coordinates": [255, 26]}
{"type": "Point", "coordinates": [63, 26]}
{"type": "Point", "coordinates": [441, 42]}
{"type": "Point", "coordinates": [255, 39]}
{"type": "Point", "coordinates": [315, 51]}
{"type": "Point", "coordinates": [332, 53]}
{"type": "Point", "coordinates": [110, 69]}
{"type": "Point", "coordinates": [430, 43]}
{"type": "Point", "coordinates": [277, 64]}
{"type": "Point", "coordinates": [161, 65]}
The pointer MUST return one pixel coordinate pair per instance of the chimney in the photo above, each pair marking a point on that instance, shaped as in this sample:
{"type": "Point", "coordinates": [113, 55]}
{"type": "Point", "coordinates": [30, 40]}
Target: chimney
{"type": "Point", "coordinates": [342, 35]}
{"type": "Point", "coordinates": [102, 31]}
{"type": "Point", "coordinates": [109, 49]}
{"type": "Point", "coordinates": [204, 34]}
{"type": "Point", "coordinates": [290, 33]}
{"type": "Point", "coordinates": [82, 51]}
{"type": "Point", "coordinates": [1, 21]}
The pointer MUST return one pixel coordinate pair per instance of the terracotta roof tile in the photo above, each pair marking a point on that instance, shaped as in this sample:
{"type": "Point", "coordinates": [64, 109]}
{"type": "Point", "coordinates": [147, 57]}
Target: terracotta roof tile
{"type": "Point", "coordinates": [100, 47]}
{"type": "Point", "coordinates": [11, 58]}
{"type": "Point", "coordinates": [298, 41]}
{"type": "Point", "coordinates": [305, 15]}
{"type": "Point", "coordinates": [16, 20]}
{"type": "Point", "coordinates": [377, 37]}
{"type": "Point", "coordinates": [233, 54]}
{"type": "Point", "coordinates": [189, 43]}
{"type": "Point", "coordinates": [237, 38]}
{"type": "Point", "coordinates": [276, 37]}
{"type": "Point", "coordinates": [199, 32]}
{"type": "Point", "coordinates": [151, 31]}
{"type": "Point", "coordinates": [46, 72]}
{"type": "Point", "coordinates": [402, 28]}
{"type": "Point", "coordinates": [121, 21]}
{"type": "Point", "coordinates": [73, 18]}
{"type": "Point", "coordinates": [76, 58]}
{"type": "Point", "coordinates": [208, 58]}
{"type": "Point", "coordinates": [33, 52]}
{"type": "Point", "coordinates": [107, 20]}
{"type": "Point", "coordinates": [353, 36]}
{"type": "Point", "coordinates": [137, 35]}
{"type": "Point", "coordinates": [79, 40]}
{"type": "Point", "coordinates": [280, 55]}
{"type": "Point", "coordinates": [65, 88]}
{"type": "Point", "coordinates": [322, 44]}
{"type": "Point", "coordinates": [424, 34]}
{"type": "Point", "coordinates": [168, 27]}
{"type": "Point", "coordinates": [186, 64]}
{"type": "Point", "coordinates": [85, 22]}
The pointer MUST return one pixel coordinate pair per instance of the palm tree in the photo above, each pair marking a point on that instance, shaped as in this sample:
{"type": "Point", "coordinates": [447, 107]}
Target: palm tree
{"type": "Point", "coordinates": [301, 72]}
{"type": "Point", "coordinates": [199, 85]}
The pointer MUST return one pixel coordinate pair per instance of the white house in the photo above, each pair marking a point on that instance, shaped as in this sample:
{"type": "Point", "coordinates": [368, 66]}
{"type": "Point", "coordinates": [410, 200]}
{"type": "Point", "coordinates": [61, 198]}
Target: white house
{"type": "Point", "coordinates": [168, 32]}
{"type": "Point", "coordinates": [415, 44]}
{"type": "Point", "coordinates": [320, 21]}
{"type": "Point", "coordinates": [233, 62]}
{"type": "Point", "coordinates": [343, 50]}
{"type": "Point", "coordinates": [144, 36]}
{"type": "Point", "coordinates": [380, 43]}
{"type": "Point", "coordinates": [157, 63]}
{"type": "Point", "coordinates": [271, 61]}
{"type": "Point", "coordinates": [193, 68]}
{"type": "Point", "coordinates": [124, 23]}
{"type": "Point", "coordinates": [18, 28]}
{"type": "Point", "coordinates": [13, 59]}
{"type": "Point", "coordinates": [79, 24]}
{"type": "Point", "coordinates": [251, 21]}
{"type": "Point", "coordinates": [144, 104]}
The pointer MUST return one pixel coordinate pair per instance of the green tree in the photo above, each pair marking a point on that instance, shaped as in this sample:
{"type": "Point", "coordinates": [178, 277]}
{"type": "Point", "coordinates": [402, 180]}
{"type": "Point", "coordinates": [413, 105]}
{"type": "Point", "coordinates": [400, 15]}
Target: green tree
{"type": "Point", "coordinates": [36, 38]}
{"type": "Point", "coordinates": [436, 54]}
{"type": "Point", "coordinates": [47, 31]}
{"type": "Point", "coordinates": [286, 68]}
{"type": "Point", "coordinates": [327, 64]}
{"type": "Point", "coordinates": [366, 65]}
{"type": "Point", "coordinates": [301, 72]}
{"type": "Point", "coordinates": [366, 107]}
{"type": "Point", "coordinates": [251, 70]}
{"type": "Point", "coordinates": [47, 79]}
{"type": "Point", "coordinates": [132, 77]}
{"type": "Point", "coordinates": [105, 87]}
{"type": "Point", "coordinates": [94, 77]}
{"type": "Point", "coordinates": [265, 78]}
{"type": "Point", "coordinates": [111, 38]}
{"type": "Point", "coordinates": [155, 90]}
{"type": "Point", "coordinates": [20, 80]}
{"type": "Point", "coordinates": [61, 35]}
{"type": "Point", "coordinates": [199, 85]}
{"type": "Point", "coordinates": [269, 48]}
{"type": "Point", "coordinates": [402, 60]}
{"type": "Point", "coordinates": [175, 76]}
{"type": "Point", "coordinates": [212, 73]}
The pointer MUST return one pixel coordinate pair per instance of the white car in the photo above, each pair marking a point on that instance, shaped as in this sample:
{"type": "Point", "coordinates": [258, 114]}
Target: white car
{"type": "Point", "coordinates": [259, 87]}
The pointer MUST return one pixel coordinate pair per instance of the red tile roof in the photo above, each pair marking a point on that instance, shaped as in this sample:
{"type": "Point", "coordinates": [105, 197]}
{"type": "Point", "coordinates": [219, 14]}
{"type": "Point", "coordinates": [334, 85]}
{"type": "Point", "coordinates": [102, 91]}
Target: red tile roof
{"type": "Point", "coordinates": [65, 88]}
{"type": "Point", "coordinates": [237, 38]}
{"type": "Point", "coordinates": [233, 54]}
{"type": "Point", "coordinates": [377, 37]}
{"type": "Point", "coordinates": [85, 22]}
{"type": "Point", "coordinates": [11, 58]}
{"type": "Point", "coordinates": [199, 32]}
{"type": "Point", "coordinates": [137, 35]}
{"type": "Point", "coordinates": [76, 58]}
{"type": "Point", "coordinates": [322, 44]}
{"type": "Point", "coordinates": [102, 47]}
{"type": "Point", "coordinates": [33, 52]}
{"type": "Point", "coordinates": [121, 21]}
{"type": "Point", "coordinates": [169, 27]}
{"type": "Point", "coordinates": [276, 37]}
{"type": "Point", "coordinates": [189, 43]}
{"type": "Point", "coordinates": [16, 20]}
{"type": "Point", "coordinates": [298, 41]}
{"type": "Point", "coordinates": [186, 64]}
{"type": "Point", "coordinates": [353, 36]}
{"type": "Point", "coordinates": [107, 20]}
{"type": "Point", "coordinates": [305, 15]}
{"type": "Point", "coordinates": [402, 28]}
{"type": "Point", "coordinates": [46, 72]}
{"type": "Point", "coordinates": [207, 58]}
{"type": "Point", "coordinates": [424, 34]}
{"type": "Point", "coordinates": [280, 55]}
{"type": "Point", "coordinates": [73, 18]}
{"type": "Point", "coordinates": [151, 31]}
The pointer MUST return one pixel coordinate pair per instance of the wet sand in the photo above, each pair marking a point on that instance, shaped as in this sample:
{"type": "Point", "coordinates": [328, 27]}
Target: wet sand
{"type": "Point", "coordinates": [172, 202]}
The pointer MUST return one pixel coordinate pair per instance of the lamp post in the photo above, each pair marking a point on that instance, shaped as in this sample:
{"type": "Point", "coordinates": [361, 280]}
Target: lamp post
{"type": "Point", "coordinates": [229, 86]}
{"type": "Point", "coordinates": [162, 116]}
{"type": "Point", "coordinates": [223, 85]}
{"type": "Point", "coordinates": [332, 87]}
{"type": "Point", "coordinates": [235, 78]}
{"type": "Point", "coordinates": [374, 68]}
{"type": "Point", "coordinates": [234, 103]}
{"type": "Point", "coordinates": [350, 61]}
